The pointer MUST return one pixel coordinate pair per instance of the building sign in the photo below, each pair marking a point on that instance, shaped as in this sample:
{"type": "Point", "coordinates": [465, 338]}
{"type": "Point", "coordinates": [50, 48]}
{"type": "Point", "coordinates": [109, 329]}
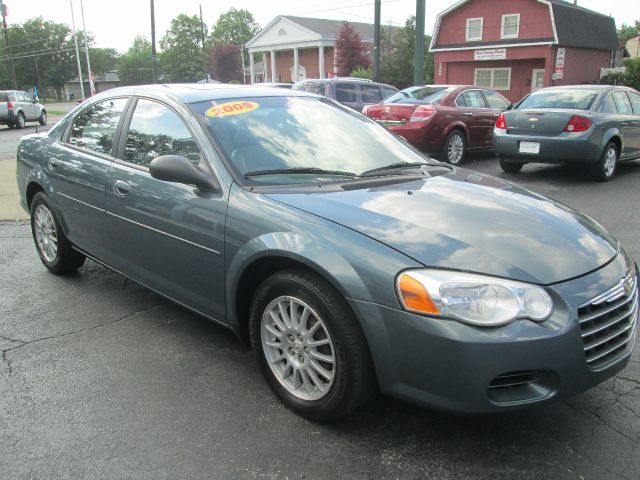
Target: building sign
{"type": "Point", "coordinates": [559, 72]}
{"type": "Point", "coordinates": [490, 54]}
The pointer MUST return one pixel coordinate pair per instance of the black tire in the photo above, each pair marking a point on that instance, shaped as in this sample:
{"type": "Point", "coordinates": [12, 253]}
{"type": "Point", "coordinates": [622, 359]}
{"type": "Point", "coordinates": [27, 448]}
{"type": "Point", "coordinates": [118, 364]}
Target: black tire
{"type": "Point", "coordinates": [603, 171]}
{"type": "Point", "coordinates": [11, 125]}
{"type": "Point", "coordinates": [66, 259]}
{"type": "Point", "coordinates": [353, 380]}
{"type": "Point", "coordinates": [42, 119]}
{"type": "Point", "coordinates": [20, 120]}
{"type": "Point", "coordinates": [510, 166]}
{"type": "Point", "coordinates": [453, 148]}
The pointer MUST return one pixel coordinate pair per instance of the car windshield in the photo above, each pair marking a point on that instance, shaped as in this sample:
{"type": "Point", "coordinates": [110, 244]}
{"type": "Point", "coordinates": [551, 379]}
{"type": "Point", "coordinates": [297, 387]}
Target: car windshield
{"type": "Point", "coordinates": [310, 87]}
{"type": "Point", "coordinates": [285, 140]}
{"type": "Point", "coordinates": [421, 95]}
{"type": "Point", "coordinates": [572, 99]}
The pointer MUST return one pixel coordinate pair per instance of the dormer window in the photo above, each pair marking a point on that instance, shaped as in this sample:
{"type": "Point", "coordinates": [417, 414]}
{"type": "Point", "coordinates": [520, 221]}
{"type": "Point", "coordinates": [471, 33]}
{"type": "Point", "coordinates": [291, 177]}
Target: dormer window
{"type": "Point", "coordinates": [510, 26]}
{"type": "Point", "coordinates": [474, 29]}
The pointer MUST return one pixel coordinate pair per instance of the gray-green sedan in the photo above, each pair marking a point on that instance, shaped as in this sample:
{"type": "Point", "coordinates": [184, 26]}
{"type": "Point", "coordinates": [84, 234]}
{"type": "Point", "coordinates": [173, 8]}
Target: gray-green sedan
{"type": "Point", "coordinates": [597, 126]}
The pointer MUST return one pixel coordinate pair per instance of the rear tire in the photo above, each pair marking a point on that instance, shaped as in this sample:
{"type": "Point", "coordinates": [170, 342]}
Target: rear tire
{"type": "Point", "coordinates": [453, 148]}
{"type": "Point", "coordinates": [53, 247]}
{"type": "Point", "coordinates": [318, 364]}
{"type": "Point", "coordinates": [605, 169]}
{"type": "Point", "coordinates": [42, 119]}
{"type": "Point", "coordinates": [510, 167]}
{"type": "Point", "coordinates": [20, 120]}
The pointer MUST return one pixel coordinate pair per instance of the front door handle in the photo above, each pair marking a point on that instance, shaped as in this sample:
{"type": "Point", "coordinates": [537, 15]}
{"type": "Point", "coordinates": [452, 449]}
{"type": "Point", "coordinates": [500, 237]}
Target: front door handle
{"type": "Point", "coordinates": [468, 114]}
{"type": "Point", "coordinates": [121, 188]}
{"type": "Point", "coordinates": [53, 163]}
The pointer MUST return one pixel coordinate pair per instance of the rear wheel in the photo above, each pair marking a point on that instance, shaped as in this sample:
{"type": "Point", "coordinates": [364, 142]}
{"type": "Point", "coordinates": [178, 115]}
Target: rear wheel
{"type": "Point", "coordinates": [604, 170]}
{"type": "Point", "coordinates": [20, 120]}
{"type": "Point", "coordinates": [54, 249]}
{"type": "Point", "coordinates": [510, 166]}
{"type": "Point", "coordinates": [309, 346]}
{"type": "Point", "coordinates": [42, 119]}
{"type": "Point", "coordinates": [453, 148]}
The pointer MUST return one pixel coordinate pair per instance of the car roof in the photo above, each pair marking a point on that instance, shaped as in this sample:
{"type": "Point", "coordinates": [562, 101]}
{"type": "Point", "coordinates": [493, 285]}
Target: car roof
{"type": "Point", "coordinates": [345, 79]}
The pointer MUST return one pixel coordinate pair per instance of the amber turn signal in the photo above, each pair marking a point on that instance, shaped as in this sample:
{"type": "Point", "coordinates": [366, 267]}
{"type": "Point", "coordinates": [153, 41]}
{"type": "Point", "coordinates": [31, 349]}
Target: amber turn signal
{"type": "Point", "coordinates": [415, 296]}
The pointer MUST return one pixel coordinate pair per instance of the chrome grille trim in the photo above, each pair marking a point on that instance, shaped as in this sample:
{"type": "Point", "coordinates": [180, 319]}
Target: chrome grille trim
{"type": "Point", "coordinates": [608, 323]}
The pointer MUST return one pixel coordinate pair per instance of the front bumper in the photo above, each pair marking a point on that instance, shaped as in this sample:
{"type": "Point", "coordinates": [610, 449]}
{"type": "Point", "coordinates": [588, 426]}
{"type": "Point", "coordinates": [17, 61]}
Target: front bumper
{"type": "Point", "coordinates": [564, 148]}
{"type": "Point", "coordinates": [450, 366]}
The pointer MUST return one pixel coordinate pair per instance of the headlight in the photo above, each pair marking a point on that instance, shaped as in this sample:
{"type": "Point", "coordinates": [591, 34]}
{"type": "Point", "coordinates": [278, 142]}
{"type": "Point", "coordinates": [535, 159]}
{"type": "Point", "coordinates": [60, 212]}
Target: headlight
{"type": "Point", "coordinates": [471, 298]}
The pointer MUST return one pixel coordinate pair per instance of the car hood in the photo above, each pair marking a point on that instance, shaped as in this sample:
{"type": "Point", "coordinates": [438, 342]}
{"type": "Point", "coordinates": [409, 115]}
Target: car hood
{"type": "Point", "coordinates": [471, 222]}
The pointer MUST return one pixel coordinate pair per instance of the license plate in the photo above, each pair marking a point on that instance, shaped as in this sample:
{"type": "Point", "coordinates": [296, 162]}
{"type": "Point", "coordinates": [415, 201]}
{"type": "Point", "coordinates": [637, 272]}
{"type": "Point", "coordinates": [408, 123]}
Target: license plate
{"type": "Point", "coordinates": [530, 147]}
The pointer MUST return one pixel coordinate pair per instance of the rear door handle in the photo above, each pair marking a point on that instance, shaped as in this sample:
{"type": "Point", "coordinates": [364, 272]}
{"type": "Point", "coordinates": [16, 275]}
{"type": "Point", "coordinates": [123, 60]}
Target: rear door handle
{"type": "Point", "coordinates": [53, 163]}
{"type": "Point", "coordinates": [468, 114]}
{"type": "Point", "coordinates": [121, 188]}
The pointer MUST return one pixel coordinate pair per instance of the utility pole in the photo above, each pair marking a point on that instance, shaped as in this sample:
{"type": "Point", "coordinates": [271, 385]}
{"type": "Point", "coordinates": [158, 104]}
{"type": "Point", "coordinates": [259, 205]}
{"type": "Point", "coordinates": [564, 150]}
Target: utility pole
{"type": "Point", "coordinates": [3, 9]}
{"type": "Point", "coordinates": [75, 40]}
{"type": "Point", "coordinates": [153, 44]}
{"type": "Point", "coordinates": [376, 42]}
{"type": "Point", "coordinates": [418, 73]}
{"type": "Point", "coordinates": [204, 52]}
{"type": "Point", "coordinates": [92, 89]}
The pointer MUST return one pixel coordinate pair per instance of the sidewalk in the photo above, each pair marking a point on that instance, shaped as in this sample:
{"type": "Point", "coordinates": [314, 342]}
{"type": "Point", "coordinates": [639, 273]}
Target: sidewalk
{"type": "Point", "coordinates": [10, 208]}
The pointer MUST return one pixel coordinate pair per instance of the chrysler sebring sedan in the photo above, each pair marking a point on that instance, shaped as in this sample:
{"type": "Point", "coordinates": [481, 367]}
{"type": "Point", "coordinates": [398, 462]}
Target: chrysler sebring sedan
{"type": "Point", "coordinates": [348, 260]}
{"type": "Point", "coordinates": [596, 126]}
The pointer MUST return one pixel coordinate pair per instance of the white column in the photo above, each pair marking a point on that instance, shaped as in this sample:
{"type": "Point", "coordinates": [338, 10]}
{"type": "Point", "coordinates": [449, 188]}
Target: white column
{"type": "Point", "coordinates": [321, 60]}
{"type": "Point", "coordinates": [274, 78]}
{"type": "Point", "coordinates": [265, 68]}
{"type": "Point", "coordinates": [296, 64]}
{"type": "Point", "coordinates": [251, 69]}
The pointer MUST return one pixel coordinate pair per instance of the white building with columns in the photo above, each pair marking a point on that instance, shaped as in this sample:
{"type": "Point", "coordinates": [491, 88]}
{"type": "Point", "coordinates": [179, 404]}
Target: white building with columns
{"type": "Point", "coordinates": [297, 44]}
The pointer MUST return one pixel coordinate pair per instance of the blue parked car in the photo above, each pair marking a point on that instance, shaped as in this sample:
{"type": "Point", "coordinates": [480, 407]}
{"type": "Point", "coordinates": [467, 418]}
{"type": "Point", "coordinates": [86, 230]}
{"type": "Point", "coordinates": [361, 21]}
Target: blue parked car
{"type": "Point", "coordinates": [348, 260]}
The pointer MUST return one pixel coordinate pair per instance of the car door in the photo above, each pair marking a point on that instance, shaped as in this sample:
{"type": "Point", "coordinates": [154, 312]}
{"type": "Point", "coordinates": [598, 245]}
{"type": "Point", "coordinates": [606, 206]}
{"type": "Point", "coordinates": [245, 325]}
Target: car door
{"type": "Point", "coordinates": [28, 106]}
{"type": "Point", "coordinates": [477, 117]}
{"type": "Point", "coordinates": [634, 123]}
{"type": "Point", "coordinates": [628, 127]}
{"type": "Point", "coordinates": [347, 95]}
{"type": "Point", "coordinates": [77, 171]}
{"type": "Point", "coordinates": [169, 236]}
{"type": "Point", "coordinates": [496, 104]}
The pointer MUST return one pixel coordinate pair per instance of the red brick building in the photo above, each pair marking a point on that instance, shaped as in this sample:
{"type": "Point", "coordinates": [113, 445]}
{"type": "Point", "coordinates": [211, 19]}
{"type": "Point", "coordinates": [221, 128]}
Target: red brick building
{"type": "Point", "coordinates": [517, 46]}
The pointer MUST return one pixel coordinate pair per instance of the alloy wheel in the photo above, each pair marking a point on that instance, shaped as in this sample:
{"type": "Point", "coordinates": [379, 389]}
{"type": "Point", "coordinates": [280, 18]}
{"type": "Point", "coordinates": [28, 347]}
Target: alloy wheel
{"type": "Point", "coordinates": [46, 234]}
{"type": "Point", "coordinates": [610, 161]}
{"type": "Point", "coordinates": [455, 149]}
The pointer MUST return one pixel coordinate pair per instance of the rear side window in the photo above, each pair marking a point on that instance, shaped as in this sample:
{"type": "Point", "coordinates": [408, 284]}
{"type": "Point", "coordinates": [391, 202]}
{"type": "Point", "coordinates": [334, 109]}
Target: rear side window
{"type": "Point", "coordinates": [635, 102]}
{"type": "Point", "coordinates": [157, 130]}
{"type": "Point", "coordinates": [387, 92]}
{"type": "Point", "coordinates": [474, 99]}
{"type": "Point", "coordinates": [95, 127]}
{"type": "Point", "coordinates": [609, 106]}
{"type": "Point", "coordinates": [622, 102]}
{"type": "Point", "coordinates": [495, 101]}
{"type": "Point", "coordinates": [371, 94]}
{"type": "Point", "coordinates": [346, 92]}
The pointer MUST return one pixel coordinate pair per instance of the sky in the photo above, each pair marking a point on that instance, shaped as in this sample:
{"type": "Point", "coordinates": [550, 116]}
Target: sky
{"type": "Point", "coordinates": [115, 23]}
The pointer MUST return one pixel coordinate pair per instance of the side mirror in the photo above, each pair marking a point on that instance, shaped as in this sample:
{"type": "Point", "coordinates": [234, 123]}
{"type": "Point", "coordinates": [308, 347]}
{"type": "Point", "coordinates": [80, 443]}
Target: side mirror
{"type": "Point", "coordinates": [179, 169]}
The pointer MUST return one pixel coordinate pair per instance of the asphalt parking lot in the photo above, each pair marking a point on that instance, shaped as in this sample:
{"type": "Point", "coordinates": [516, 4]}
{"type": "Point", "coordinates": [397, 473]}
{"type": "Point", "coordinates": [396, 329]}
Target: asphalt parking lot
{"type": "Point", "coordinates": [103, 379]}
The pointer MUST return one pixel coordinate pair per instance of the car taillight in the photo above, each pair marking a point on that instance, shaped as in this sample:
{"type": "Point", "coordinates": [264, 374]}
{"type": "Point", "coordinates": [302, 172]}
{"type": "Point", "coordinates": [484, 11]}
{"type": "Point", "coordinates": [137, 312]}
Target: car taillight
{"type": "Point", "coordinates": [578, 124]}
{"type": "Point", "coordinates": [501, 122]}
{"type": "Point", "coordinates": [422, 113]}
{"type": "Point", "coordinates": [364, 110]}
{"type": "Point", "coordinates": [9, 106]}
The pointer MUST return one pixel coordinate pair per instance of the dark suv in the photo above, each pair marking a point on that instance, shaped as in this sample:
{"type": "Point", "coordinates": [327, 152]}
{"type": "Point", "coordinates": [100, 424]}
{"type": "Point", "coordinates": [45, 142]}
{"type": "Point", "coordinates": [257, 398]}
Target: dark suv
{"type": "Point", "coordinates": [352, 92]}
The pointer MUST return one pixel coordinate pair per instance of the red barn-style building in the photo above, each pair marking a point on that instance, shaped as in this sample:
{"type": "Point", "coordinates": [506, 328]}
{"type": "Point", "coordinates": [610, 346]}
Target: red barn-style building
{"type": "Point", "coordinates": [517, 46]}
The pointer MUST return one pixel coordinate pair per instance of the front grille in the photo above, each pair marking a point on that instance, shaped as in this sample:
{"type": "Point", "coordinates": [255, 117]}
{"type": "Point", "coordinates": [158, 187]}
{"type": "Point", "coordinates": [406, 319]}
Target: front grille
{"type": "Point", "coordinates": [608, 323]}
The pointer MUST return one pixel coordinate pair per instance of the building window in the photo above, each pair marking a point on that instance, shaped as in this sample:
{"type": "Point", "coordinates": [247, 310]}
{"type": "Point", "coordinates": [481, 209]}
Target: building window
{"type": "Point", "coordinates": [474, 29]}
{"type": "Point", "coordinates": [510, 26]}
{"type": "Point", "coordinates": [282, 32]}
{"type": "Point", "coordinates": [496, 78]}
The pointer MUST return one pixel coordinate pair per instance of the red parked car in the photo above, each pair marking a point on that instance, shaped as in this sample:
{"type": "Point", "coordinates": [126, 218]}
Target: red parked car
{"type": "Point", "coordinates": [445, 120]}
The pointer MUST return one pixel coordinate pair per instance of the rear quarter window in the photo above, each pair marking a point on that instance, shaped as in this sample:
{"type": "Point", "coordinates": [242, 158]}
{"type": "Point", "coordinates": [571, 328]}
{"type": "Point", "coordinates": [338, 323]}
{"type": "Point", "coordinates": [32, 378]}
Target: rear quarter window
{"type": "Point", "coordinates": [635, 102]}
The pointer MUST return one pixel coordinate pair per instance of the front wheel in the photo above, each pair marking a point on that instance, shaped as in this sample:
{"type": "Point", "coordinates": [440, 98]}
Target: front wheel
{"type": "Point", "coordinates": [42, 119]}
{"type": "Point", "coordinates": [310, 347]}
{"type": "Point", "coordinates": [604, 170]}
{"type": "Point", "coordinates": [54, 249]}
{"type": "Point", "coordinates": [510, 167]}
{"type": "Point", "coordinates": [453, 148]}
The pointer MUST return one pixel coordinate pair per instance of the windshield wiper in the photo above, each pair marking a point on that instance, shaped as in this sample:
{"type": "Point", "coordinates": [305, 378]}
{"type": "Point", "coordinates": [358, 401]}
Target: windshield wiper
{"type": "Point", "coordinates": [298, 171]}
{"type": "Point", "coordinates": [397, 166]}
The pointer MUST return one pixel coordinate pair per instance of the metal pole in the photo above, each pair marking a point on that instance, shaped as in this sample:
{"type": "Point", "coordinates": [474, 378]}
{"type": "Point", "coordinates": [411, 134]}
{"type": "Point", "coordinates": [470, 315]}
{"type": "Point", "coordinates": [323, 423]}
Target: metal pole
{"type": "Point", "coordinates": [204, 52]}
{"type": "Point", "coordinates": [75, 40]}
{"type": "Point", "coordinates": [86, 49]}
{"type": "Point", "coordinates": [153, 44]}
{"type": "Point", "coordinates": [6, 41]}
{"type": "Point", "coordinates": [418, 73]}
{"type": "Point", "coordinates": [376, 42]}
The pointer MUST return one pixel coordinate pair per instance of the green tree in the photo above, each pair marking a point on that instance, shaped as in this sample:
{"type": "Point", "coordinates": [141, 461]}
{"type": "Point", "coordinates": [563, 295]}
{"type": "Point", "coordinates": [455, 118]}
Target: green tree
{"type": "Point", "coordinates": [134, 67]}
{"type": "Point", "coordinates": [234, 27]}
{"type": "Point", "coordinates": [625, 32]}
{"type": "Point", "coordinates": [181, 58]}
{"type": "Point", "coordinates": [630, 77]}
{"type": "Point", "coordinates": [103, 60]}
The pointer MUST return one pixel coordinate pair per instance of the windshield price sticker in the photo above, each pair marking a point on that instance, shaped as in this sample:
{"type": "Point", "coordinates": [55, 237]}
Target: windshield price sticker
{"type": "Point", "coordinates": [231, 108]}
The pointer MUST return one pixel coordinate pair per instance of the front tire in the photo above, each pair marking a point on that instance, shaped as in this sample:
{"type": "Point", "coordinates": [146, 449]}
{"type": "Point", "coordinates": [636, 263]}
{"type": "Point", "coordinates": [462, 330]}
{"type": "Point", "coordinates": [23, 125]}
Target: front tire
{"type": "Point", "coordinates": [310, 347]}
{"type": "Point", "coordinates": [42, 119]}
{"type": "Point", "coordinates": [510, 167]}
{"type": "Point", "coordinates": [604, 170]}
{"type": "Point", "coordinates": [453, 148]}
{"type": "Point", "coordinates": [54, 249]}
